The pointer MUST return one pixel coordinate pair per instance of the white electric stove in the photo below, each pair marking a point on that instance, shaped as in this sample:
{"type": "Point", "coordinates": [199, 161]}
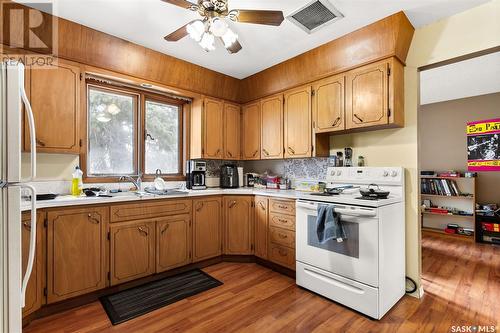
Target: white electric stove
{"type": "Point", "coordinates": [366, 271]}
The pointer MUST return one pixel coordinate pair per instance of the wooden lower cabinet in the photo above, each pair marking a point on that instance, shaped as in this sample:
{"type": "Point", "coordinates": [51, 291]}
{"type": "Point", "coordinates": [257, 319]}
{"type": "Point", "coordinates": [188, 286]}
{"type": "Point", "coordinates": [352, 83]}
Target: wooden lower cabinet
{"type": "Point", "coordinates": [34, 290]}
{"type": "Point", "coordinates": [173, 242]}
{"type": "Point", "coordinates": [207, 228]}
{"type": "Point", "coordinates": [238, 225]}
{"type": "Point", "coordinates": [76, 252]}
{"type": "Point", "coordinates": [282, 232]}
{"type": "Point", "coordinates": [261, 220]}
{"type": "Point", "coordinates": [132, 250]}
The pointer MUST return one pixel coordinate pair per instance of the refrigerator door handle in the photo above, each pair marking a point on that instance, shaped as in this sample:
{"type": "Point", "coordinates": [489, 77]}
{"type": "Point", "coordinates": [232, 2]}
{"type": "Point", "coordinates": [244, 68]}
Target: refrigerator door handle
{"type": "Point", "coordinates": [31, 123]}
{"type": "Point", "coordinates": [32, 248]}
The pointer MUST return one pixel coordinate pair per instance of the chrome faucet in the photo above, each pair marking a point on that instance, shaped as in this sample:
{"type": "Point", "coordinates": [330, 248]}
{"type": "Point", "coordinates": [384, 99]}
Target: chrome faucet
{"type": "Point", "coordinates": [137, 182]}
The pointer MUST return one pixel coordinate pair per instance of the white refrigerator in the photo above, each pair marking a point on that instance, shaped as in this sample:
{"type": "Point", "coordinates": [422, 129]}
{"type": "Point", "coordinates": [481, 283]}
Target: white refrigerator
{"type": "Point", "coordinates": [13, 103]}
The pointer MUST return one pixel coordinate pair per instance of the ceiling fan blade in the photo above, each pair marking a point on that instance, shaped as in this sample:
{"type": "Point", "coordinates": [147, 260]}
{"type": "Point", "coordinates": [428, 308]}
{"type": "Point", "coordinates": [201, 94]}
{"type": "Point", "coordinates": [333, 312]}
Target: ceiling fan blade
{"type": "Point", "coordinates": [268, 17]}
{"type": "Point", "coordinates": [234, 48]}
{"type": "Point", "coordinates": [181, 3]}
{"type": "Point", "coordinates": [178, 34]}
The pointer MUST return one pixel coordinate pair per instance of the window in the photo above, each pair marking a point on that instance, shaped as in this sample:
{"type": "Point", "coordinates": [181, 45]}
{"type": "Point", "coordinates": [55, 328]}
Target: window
{"type": "Point", "coordinates": [117, 118]}
{"type": "Point", "coordinates": [162, 139]}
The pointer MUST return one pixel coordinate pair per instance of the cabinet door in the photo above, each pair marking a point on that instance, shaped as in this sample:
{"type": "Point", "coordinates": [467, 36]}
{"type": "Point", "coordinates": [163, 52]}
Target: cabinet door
{"type": "Point", "coordinates": [132, 250]}
{"type": "Point", "coordinates": [232, 122]}
{"type": "Point", "coordinates": [328, 104]}
{"type": "Point", "coordinates": [297, 121]}
{"type": "Point", "coordinates": [55, 99]}
{"type": "Point", "coordinates": [34, 290]}
{"type": "Point", "coordinates": [207, 241]}
{"type": "Point", "coordinates": [76, 252]}
{"type": "Point", "coordinates": [367, 96]}
{"type": "Point", "coordinates": [272, 127]}
{"type": "Point", "coordinates": [261, 226]}
{"type": "Point", "coordinates": [213, 129]}
{"type": "Point", "coordinates": [173, 245]}
{"type": "Point", "coordinates": [251, 131]}
{"type": "Point", "coordinates": [238, 225]}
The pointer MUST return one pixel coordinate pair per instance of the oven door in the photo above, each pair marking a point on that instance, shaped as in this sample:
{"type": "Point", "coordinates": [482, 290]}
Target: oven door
{"type": "Point", "coordinates": [356, 257]}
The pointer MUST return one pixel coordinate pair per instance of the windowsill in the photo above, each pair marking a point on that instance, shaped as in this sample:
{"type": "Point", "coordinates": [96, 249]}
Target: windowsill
{"type": "Point", "coordinates": [148, 178]}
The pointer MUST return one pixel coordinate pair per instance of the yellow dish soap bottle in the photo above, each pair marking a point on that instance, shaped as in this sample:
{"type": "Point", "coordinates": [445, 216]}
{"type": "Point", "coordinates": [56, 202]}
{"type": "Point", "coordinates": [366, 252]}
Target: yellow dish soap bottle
{"type": "Point", "coordinates": [76, 182]}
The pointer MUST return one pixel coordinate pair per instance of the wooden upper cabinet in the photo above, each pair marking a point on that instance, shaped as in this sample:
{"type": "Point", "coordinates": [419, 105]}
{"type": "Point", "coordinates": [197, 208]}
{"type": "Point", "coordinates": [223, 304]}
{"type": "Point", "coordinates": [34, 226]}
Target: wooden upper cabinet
{"type": "Point", "coordinates": [251, 131]}
{"type": "Point", "coordinates": [207, 239]}
{"type": "Point", "coordinates": [34, 290]}
{"type": "Point", "coordinates": [367, 95]}
{"type": "Point", "coordinates": [213, 125]}
{"type": "Point", "coordinates": [238, 225]}
{"type": "Point", "coordinates": [76, 252]}
{"type": "Point", "coordinates": [54, 94]}
{"type": "Point", "coordinates": [272, 127]}
{"type": "Point", "coordinates": [173, 245]}
{"type": "Point", "coordinates": [328, 104]}
{"type": "Point", "coordinates": [297, 120]}
{"type": "Point", "coordinates": [132, 250]}
{"type": "Point", "coordinates": [232, 123]}
{"type": "Point", "coordinates": [261, 226]}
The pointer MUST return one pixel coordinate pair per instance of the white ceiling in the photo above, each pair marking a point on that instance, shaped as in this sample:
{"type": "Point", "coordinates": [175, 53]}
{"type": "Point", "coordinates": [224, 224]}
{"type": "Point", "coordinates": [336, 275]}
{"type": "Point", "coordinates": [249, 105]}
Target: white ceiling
{"type": "Point", "coordinates": [472, 77]}
{"type": "Point", "coordinates": [146, 22]}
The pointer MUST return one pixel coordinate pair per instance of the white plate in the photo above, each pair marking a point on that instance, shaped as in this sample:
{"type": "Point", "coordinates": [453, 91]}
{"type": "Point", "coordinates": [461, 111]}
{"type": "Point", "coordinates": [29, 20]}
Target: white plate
{"type": "Point", "coordinates": [160, 184]}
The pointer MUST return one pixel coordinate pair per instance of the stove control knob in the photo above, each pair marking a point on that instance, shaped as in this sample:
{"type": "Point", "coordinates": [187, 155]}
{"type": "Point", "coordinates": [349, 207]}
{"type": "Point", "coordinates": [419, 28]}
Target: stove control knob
{"type": "Point", "coordinates": [385, 173]}
{"type": "Point", "coordinates": [394, 173]}
{"type": "Point", "coordinates": [339, 172]}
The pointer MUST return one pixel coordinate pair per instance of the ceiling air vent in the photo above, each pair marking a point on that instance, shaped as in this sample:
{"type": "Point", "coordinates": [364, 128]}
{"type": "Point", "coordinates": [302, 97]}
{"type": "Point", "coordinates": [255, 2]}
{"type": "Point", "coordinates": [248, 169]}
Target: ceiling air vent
{"type": "Point", "coordinates": [315, 15]}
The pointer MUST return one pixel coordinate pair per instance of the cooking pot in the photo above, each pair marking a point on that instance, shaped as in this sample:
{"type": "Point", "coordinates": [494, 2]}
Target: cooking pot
{"type": "Point", "coordinates": [374, 191]}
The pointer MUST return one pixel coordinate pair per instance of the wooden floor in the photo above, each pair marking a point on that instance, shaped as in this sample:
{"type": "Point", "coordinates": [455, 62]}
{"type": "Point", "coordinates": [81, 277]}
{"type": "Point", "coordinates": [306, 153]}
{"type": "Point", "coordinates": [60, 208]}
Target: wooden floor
{"type": "Point", "coordinates": [461, 282]}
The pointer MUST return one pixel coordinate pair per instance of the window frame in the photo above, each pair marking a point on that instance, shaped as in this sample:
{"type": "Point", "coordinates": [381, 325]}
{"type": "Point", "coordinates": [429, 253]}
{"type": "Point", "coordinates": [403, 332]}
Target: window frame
{"type": "Point", "coordinates": [140, 130]}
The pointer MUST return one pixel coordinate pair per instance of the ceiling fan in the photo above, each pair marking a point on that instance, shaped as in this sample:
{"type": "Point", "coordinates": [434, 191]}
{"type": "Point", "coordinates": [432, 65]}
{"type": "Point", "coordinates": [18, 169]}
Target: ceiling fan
{"type": "Point", "coordinates": [213, 24]}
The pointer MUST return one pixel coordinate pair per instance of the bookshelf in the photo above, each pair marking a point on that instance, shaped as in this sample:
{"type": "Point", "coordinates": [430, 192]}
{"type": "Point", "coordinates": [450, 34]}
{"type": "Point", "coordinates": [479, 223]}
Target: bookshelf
{"type": "Point", "coordinates": [448, 198]}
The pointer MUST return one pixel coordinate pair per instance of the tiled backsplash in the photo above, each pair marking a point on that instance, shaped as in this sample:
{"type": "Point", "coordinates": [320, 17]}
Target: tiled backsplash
{"type": "Point", "coordinates": [213, 166]}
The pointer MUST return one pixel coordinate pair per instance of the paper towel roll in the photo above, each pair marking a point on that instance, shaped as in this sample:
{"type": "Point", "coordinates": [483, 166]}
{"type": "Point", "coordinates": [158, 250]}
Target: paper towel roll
{"type": "Point", "coordinates": [240, 177]}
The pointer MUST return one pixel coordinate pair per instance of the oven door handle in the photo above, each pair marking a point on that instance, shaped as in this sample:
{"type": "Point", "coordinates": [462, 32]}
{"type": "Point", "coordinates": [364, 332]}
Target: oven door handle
{"type": "Point", "coordinates": [352, 211]}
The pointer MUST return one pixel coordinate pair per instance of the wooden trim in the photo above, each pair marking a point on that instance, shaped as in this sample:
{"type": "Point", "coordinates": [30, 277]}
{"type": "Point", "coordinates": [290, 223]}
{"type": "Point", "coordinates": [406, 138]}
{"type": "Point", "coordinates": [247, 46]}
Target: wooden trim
{"type": "Point", "coordinates": [460, 58]}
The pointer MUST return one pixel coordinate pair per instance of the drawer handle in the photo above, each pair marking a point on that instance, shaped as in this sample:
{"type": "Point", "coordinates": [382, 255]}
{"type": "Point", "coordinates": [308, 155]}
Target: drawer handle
{"type": "Point", "coordinates": [336, 122]}
{"type": "Point", "coordinates": [262, 205]}
{"type": "Point", "coordinates": [265, 152]}
{"type": "Point", "coordinates": [282, 220]}
{"type": "Point", "coordinates": [232, 204]}
{"type": "Point", "coordinates": [282, 207]}
{"type": "Point", "coordinates": [199, 206]}
{"type": "Point", "coordinates": [282, 252]}
{"type": "Point", "coordinates": [141, 230]}
{"type": "Point", "coordinates": [283, 236]}
{"type": "Point", "coordinates": [291, 151]}
{"type": "Point", "coordinates": [255, 154]}
{"type": "Point", "coordinates": [93, 219]}
{"type": "Point", "coordinates": [27, 225]}
{"type": "Point", "coordinates": [165, 229]}
{"type": "Point", "coordinates": [357, 117]}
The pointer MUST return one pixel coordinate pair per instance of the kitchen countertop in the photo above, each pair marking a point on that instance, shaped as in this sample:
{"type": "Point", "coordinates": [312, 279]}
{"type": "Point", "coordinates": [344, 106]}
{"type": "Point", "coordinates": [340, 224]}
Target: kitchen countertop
{"type": "Point", "coordinates": [69, 200]}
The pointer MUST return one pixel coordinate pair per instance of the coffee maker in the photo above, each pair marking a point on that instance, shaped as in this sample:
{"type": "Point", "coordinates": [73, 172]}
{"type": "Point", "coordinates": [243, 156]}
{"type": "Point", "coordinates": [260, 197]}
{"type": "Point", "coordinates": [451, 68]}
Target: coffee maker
{"type": "Point", "coordinates": [195, 175]}
{"type": "Point", "coordinates": [229, 176]}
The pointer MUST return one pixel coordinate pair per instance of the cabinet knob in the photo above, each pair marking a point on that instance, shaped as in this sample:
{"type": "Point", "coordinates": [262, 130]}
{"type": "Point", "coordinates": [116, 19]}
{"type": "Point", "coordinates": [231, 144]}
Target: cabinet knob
{"type": "Point", "coordinates": [27, 225]}
{"type": "Point", "coordinates": [141, 230]}
{"type": "Point", "coordinates": [282, 236]}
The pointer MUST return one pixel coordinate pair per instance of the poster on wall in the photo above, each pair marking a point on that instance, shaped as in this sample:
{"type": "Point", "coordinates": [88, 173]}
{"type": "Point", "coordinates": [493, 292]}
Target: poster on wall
{"type": "Point", "coordinates": [483, 145]}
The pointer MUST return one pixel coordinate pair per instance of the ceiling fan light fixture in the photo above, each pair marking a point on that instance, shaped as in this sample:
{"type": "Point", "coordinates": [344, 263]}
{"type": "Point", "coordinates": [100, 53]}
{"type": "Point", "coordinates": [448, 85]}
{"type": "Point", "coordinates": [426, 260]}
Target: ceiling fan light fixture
{"type": "Point", "coordinates": [218, 27]}
{"type": "Point", "coordinates": [229, 38]}
{"type": "Point", "coordinates": [208, 42]}
{"type": "Point", "coordinates": [196, 30]}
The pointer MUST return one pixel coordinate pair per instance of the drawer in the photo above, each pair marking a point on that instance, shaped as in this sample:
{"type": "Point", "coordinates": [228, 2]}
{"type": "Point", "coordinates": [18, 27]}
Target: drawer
{"type": "Point", "coordinates": [282, 206]}
{"type": "Point", "coordinates": [282, 255]}
{"type": "Point", "coordinates": [282, 221]}
{"type": "Point", "coordinates": [145, 210]}
{"type": "Point", "coordinates": [282, 237]}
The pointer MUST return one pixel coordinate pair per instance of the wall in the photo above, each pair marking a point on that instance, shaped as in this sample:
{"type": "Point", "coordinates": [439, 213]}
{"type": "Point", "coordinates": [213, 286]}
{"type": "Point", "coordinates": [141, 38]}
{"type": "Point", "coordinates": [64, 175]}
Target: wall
{"type": "Point", "coordinates": [442, 138]}
{"type": "Point", "coordinates": [50, 166]}
{"type": "Point", "coordinates": [467, 32]}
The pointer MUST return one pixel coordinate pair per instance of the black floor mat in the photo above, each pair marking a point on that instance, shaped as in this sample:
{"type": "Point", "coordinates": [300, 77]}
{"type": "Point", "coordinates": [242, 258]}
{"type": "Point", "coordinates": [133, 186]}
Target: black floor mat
{"type": "Point", "coordinates": [134, 302]}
